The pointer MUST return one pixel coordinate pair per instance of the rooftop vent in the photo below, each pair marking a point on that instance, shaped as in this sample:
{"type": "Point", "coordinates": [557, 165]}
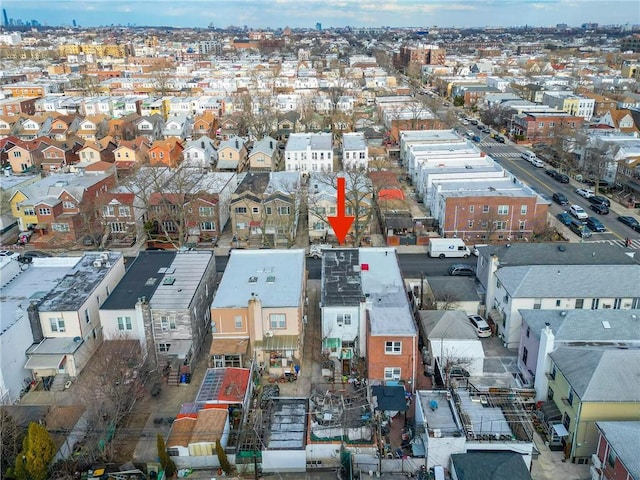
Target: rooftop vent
{"type": "Point", "coordinates": [253, 279]}
{"type": "Point", "coordinates": [271, 279]}
{"type": "Point", "coordinates": [561, 248]}
{"type": "Point", "coordinates": [169, 280]}
{"type": "Point", "coordinates": [606, 324]}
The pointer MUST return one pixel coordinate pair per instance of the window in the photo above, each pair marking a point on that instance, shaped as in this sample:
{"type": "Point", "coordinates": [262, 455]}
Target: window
{"type": "Point", "coordinates": [267, 210]}
{"type": "Point", "coordinates": [207, 225]}
{"type": "Point", "coordinates": [343, 319]}
{"type": "Point", "coordinates": [502, 225]}
{"type": "Point", "coordinates": [241, 209]}
{"type": "Point", "coordinates": [284, 210]}
{"type": "Point", "coordinates": [205, 211]}
{"type": "Point", "coordinates": [570, 397]}
{"type": "Point", "coordinates": [68, 205]}
{"type": "Point", "coordinates": [523, 209]}
{"type": "Point", "coordinates": [522, 224]}
{"type": "Point", "coordinates": [579, 303]}
{"type": "Point", "coordinates": [566, 420]}
{"type": "Point", "coordinates": [168, 322]}
{"type": "Point", "coordinates": [525, 355]}
{"type": "Point", "coordinates": [470, 224]}
{"type": "Point", "coordinates": [60, 227]}
{"type": "Point", "coordinates": [537, 302]}
{"type": "Point", "coordinates": [278, 320]}
{"type": "Point", "coordinates": [503, 209]}
{"type": "Point", "coordinates": [553, 372]}
{"type": "Point", "coordinates": [550, 393]}
{"type": "Point", "coordinates": [124, 211]}
{"type": "Point", "coordinates": [557, 303]}
{"type": "Point", "coordinates": [392, 373]}
{"type": "Point", "coordinates": [164, 347]}
{"type": "Point", "coordinates": [169, 226]}
{"type": "Point", "coordinates": [238, 322]}
{"type": "Point", "coordinates": [485, 209]}
{"type": "Point", "coordinates": [255, 210]}
{"type": "Point", "coordinates": [87, 317]}
{"type": "Point", "coordinates": [44, 211]}
{"type": "Point", "coordinates": [471, 208]}
{"type": "Point", "coordinates": [124, 323]}
{"type": "Point", "coordinates": [118, 227]}
{"type": "Point", "coordinates": [57, 324]}
{"type": "Point", "coordinates": [528, 332]}
{"type": "Point", "coordinates": [393, 348]}
{"type": "Point", "coordinates": [595, 303]}
{"type": "Point", "coordinates": [28, 211]}
{"type": "Point", "coordinates": [108, 211]}
{"type": "Point", "coordinates": [612, 456]}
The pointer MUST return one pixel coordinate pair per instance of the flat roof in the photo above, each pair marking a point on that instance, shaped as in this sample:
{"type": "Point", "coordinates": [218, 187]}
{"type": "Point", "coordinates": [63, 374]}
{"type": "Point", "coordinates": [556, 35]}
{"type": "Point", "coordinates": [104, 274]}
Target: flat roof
{"type": "Point", "coordinates": [353, 141]}
{"type": "Point", "coordinates": [316, 141]}
{"type": "Point", "coordinates": [341, 283]}
{"type": "Point", "coordinates": [288, 424]}
{"type": "Point", "coordinates": [31, 285]}
{"type": "Point", "coordinates": [76, 286]}
{"type": "Point", "coordinates": [275, 276]}
{"type": "Point", "coordinates": [181, 280]}
{"type": "Point", "coordinates": [141, 279]}
{"type": "Point", "coordinates": [223, 385]}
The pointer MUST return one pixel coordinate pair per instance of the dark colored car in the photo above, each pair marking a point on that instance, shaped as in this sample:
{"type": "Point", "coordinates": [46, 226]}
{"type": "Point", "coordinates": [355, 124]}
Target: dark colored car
{"type": "Point", "coordinates": [36, 253]}
{"type": "Point", "coordinates": [562, 178]}
{"type": "Point", "coordinates": [462, 270]}
{"type": "Point", "coordinates": [580, 229]}
{"type": "Point", "coordinates": [552, 173]}
{"type": "Point", "coordinates": [595, 225]}
{"type": "Point", "coordinates": [480, 126]}
{"type": "Point", "coordinates": [486, 130]}
{"type": "Point", "coordinates": [600, 199]}
{"type": "Point", "coordinates": [599, 208]}
{"type": "Point", "coordinates": [500, 139]}
{"type": "Point", "coordinates": [564, 218]}
{"type": "Point", "coordinates": [474, 122]}
{"type": "Point", "coordinates": [476, 138]}
{"type": "Point", "coordinates": [629, 221]}
{"type": "Point", "coordinates": [560, 199]}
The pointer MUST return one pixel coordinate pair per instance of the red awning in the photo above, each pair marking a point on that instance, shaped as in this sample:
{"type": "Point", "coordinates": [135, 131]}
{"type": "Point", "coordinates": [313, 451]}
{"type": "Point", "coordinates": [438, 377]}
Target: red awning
{"type": "Point", "coordinates": [255, 223]}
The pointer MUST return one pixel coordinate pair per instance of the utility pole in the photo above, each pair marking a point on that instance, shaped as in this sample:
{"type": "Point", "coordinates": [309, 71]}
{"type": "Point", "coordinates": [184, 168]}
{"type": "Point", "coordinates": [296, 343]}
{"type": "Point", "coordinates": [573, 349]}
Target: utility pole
{"type": "Point", "coordinates": [421, 289]}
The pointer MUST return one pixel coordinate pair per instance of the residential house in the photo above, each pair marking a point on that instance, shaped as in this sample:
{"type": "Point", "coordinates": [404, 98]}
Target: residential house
{"type": "Point", "coordinates": [102, 150]}
{"type": "Point", "coordinates": [166, 152]}
{"type": "Point", "coordinates": [179, 126]}
{"type": "Point", "coordinates": [232, 155]}
{"type": "Point", "coordinates": [30, 128]}
{"type": "Point", "coordinates": [452, 342]}
{"type": "Point", "coordinates": [205, 124]}
{"type": "Point", "coordinates": [252, 310]}
{"type": "Point", "coordinates": [470, 421]}
{"type": "Point", "coordinates": [545, 330]}
{"type": "Point", "coordinates": [602, 104]}
{"type": "Point", "coordinates": [445, 293]}
{"type": "Point", "coordinates": [322, 198]}
{"type": "Point", "coordinates": [309, 152]}
{"type": "Point", "coordinates": [229, 126]}
{"type": "Point", "coordinates": [20, 158]}
{"type": "Point", "coordinates": [64, 126]}
{"type": "Point", "coordinates": [487, 209]}
{"type": "Point", "coordinates": [92, 128]}
{"type": "Point", "coordinates": [17, 105]}
{"type": "Point", "coordinates": [123, 127]}
{"type": "Point", "coordinates": [264, 156]}
{"type": "Point", "coordinates": [9, 183]}
{"type": "Point", "coordinates": [619, 121]}
{"type": "Point", "coordinates": [200, 152]}
{"type": "Point", "coordinates": [287, 124]}
{"type": "Point", "coordinates": [265, 208]}
{"type": "Point", "coordinates": [61, 207]}
{"type": "Point", "coordinates": [628, 175]}
{"type": "Point", "coordinates": [6, 126]}
{"type": "Point", "coordinates": [355, 153]}
{"type": "Point", "coordinates": [589, 385]}
{"type": "Point", "coordinates": [540, 127]}
{"type": "Point", "coordinates": [568, 102]}
{"type": "Point", "coordinates": [130, 154]}
{"type": "Point", "coordinates": [617, 455]}
{"type": "Point", "coordinates": [149, 127]}
{"type": "Point", "coordinates": [54, 158]}
{"type": "Point", "coordinates": [575, 276]}
{"type": "Point", "coordinates": [65, 322]}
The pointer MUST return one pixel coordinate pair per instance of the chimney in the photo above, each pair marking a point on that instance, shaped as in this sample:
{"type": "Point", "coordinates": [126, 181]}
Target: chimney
{"type": "Point", "coordinates": [547, 343]}
{"type": "Point", "coordinates": [34, 320]}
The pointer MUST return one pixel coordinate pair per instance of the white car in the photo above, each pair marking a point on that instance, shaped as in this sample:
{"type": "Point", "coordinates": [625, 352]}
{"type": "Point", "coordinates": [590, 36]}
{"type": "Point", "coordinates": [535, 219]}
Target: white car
{"type": "Point", "coordinates": [480, 325]}
{"type": "Point", "coordinates": [536, 162]}
{"type": "Point", "coordinates": [465, 122]}
{"type": "Point", "coordinates": [578, 212]}
{"type": "Point", "coordinates": [585, 192]}
{"type": "Point", "coordinates": [9, 254]}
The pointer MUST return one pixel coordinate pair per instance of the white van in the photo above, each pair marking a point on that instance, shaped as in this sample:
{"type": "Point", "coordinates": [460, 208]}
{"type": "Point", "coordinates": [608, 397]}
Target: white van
{"type": "Point", "coordinates": [528, 156]}
{"type": "Point", "coordinates": [448, 247]}
{"type": "Point", "coordinates": [536, 162]}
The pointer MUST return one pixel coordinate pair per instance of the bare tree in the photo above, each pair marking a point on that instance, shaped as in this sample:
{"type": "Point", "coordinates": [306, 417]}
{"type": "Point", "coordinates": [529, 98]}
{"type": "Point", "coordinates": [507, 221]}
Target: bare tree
{"type": "Point", "coordinates": [161, 74]}
{"type": "Point", "coordinates": [10, 440]}
{"type": "Point", "coordinates": [118, 374]}
{"type": "Point", "coordinates": [259, 114]}
{"type": "Point", "coordinates": [596, 162]}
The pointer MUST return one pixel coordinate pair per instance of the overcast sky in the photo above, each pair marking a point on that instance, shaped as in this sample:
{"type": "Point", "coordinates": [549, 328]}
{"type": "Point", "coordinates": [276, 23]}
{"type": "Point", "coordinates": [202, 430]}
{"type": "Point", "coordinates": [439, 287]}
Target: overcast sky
{"type": "Point", "coordinates": [330, 13]}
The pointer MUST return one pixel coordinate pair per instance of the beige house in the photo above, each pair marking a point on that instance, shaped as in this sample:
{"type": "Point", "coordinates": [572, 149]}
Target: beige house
{"type": "Point", "coordinates": [260, 304]}
{"type": "Point", "coordinates": [264, 155]}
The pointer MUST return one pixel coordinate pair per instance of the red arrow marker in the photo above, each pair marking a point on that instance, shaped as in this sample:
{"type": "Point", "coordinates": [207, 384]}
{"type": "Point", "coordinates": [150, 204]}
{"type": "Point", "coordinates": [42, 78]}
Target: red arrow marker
{"type": "Point", "coordinates": [341, 223]}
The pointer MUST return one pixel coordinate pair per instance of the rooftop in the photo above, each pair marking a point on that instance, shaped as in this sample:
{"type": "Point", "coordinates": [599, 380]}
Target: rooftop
{"type": "Point", "coordinates": [315, 141]}
{"type": "Point", "coordinates": [181, 280]}
{"type": "Point", "coordinates": [73, 290]}
{"type": "Point", "coordinates": [141, 279]}
{"type": "Point", "coordinates": [624, 438]}
{"type": "Point", "coordinates": [223, 385]}
{"type": "Point", "coordinates": [353, 141]}
{"type": "Point", "coordinates": [276, 277]}
{"type": "Point", "coordinates": [288, 424]}
{"type": "Point", "coordinates": [341, 283]}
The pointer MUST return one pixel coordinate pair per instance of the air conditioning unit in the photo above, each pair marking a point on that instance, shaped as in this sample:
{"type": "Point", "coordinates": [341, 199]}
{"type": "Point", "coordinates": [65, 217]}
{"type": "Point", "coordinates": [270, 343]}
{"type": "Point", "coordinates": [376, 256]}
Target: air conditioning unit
{"type": "Point", "coordinates": [104, 256]}
{"type": "Point", "coordinates": [596, 461]}
{"type": "Point", "coordinates": [268, 334]}
{"type": "Point", "coordinates": [304, 319]}
{"type": "Point", "coordinates": [97, 263]}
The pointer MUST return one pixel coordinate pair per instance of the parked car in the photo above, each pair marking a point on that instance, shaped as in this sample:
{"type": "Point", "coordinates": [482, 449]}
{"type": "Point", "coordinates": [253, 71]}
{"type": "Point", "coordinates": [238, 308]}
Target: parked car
{"type": "Point", "coordinates": [562, 178]}
{"type": "Point", "coordinates": [551, 172]}
{"type": "Point", "coordinates": [476, 138]}
{"type": "Point", "coordinates": [536, 162]}
{"type": "Point", "coordinates": [564, 218]}
{"type": "Point", "coordinates": [580, 229]}
{"type": "Point", "coordinates": [578, 212]}
{"type": "Point", "coordinates": [585, 192]}
{"type": "Point", "coordinates": [480, 126]}
{"type": "Point", "coordinates": [560, 198]}
{"type": "Point", "coordinates": [462, 270]}
{"type": "Point", "coordinates": [465, 122]}
{"type": "Point", "coordinates": [474, 121]}
{"type": "Point", "coordinates": [500, 139]}
{"type": "Point", "coordinates": [486, 130]}
{"type": "Point", "coordinates": [595, 225]}
{"type": "Point", "coordinates": [36, 253]}
{"type": "Point", "coordinates": [481, 326]}
{"type": "Point", "coordinates": [9, 254]}
{"type": "Point", "coordinates": [599, 208]}
{"type": "Point", "coordinates": [600, 199]}
{"type": "Point", "coordinates": [630, 222]}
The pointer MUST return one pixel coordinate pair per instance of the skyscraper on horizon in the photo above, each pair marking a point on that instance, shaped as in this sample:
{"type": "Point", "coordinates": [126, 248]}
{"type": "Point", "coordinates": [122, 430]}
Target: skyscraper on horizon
{"type": "Point", "coordinates": [5, 19]}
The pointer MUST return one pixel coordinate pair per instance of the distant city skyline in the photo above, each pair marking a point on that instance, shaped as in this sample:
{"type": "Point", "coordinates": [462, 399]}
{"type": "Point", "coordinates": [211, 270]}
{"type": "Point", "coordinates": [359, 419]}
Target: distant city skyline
{"type": "Point", "coordinates": [329, 13]}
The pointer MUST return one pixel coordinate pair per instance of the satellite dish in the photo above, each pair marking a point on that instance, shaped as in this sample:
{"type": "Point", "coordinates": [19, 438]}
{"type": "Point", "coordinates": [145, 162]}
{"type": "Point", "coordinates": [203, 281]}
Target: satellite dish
{"type": "Point", "coordinates": [77, 339]}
